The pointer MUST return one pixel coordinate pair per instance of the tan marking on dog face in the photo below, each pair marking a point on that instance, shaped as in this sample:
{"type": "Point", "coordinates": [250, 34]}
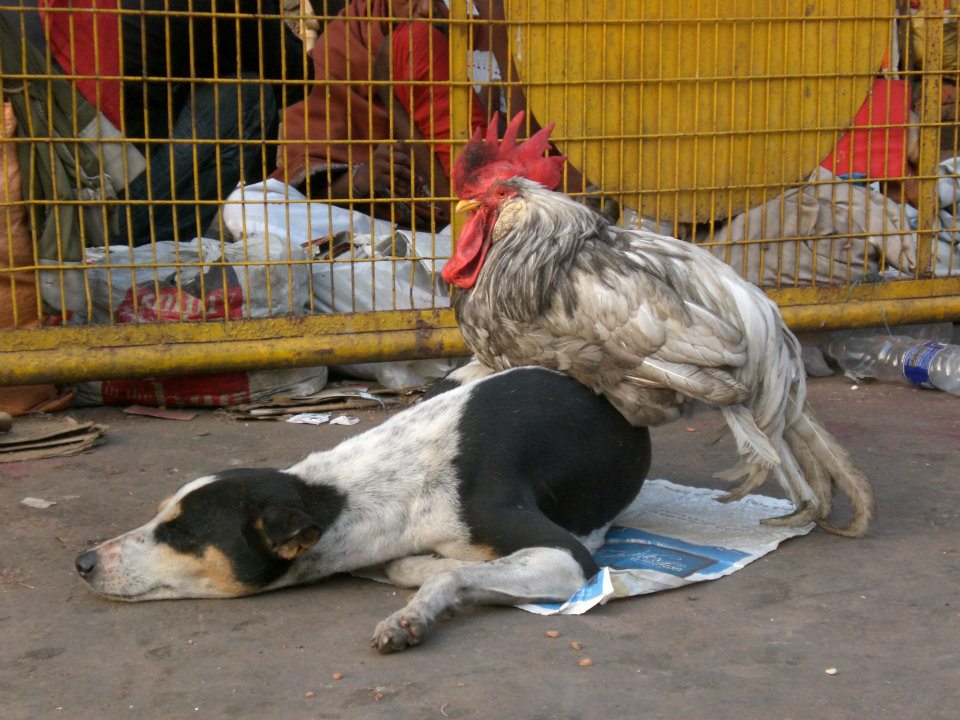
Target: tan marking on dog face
{"type": "Point", "coordinates": [211, 571]}
{"type": "Point", "coordinates": [218, 570]}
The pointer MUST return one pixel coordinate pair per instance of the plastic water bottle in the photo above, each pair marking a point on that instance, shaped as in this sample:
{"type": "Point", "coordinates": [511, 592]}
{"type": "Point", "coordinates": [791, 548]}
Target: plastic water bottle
{"type": "Point", "coordinates": [923, 363]}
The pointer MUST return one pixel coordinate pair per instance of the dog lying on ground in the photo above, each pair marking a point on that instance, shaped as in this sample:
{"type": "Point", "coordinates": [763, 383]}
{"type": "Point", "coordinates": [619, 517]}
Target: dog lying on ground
{"type": "Point", "coordinates": [495, 492]}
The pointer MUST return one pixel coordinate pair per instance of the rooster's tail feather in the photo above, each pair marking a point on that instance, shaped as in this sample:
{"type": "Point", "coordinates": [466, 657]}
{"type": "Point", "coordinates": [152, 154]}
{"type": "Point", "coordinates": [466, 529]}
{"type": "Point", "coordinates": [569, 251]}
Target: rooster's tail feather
{"type": "Point", "coordinates": [761, 453]}
{"type": "Point", "coordinates": [827, 466]}
{"type": "Point", "coordinates": [809, 464]}
{"type": "Point", "coordinates": [756, 476]}
{"type": "Point", "coordinates": [753, 445]}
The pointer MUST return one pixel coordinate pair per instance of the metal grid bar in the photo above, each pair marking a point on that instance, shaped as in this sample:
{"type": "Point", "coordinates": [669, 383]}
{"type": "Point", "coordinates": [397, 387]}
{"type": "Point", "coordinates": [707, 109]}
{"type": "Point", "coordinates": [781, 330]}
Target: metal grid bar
{"type": "Point", "coordinates": [687, 114]}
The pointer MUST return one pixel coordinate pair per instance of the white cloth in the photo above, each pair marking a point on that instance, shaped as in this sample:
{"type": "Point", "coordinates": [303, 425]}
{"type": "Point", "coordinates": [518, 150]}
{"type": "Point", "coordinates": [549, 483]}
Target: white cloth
{"type": "Point", "coordinates": [799, 236]}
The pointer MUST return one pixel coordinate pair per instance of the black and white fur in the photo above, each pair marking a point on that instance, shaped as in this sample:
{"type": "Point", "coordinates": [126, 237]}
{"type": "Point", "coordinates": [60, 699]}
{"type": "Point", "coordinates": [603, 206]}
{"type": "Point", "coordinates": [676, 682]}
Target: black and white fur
{"type": "Point", "coordinates": [495, 492]}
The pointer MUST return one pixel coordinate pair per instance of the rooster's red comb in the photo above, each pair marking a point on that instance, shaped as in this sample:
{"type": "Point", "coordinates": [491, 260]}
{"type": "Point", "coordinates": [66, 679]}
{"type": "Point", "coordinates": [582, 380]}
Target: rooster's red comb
{"type": "Point", "coordinates": [484, 159]}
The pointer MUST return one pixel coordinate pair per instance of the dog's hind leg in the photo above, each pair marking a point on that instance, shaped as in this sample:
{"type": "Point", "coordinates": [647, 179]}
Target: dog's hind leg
{"type": "Point", "coordinates": [414, 570]}
{"type": "Point", "coordinates": [545, 574]}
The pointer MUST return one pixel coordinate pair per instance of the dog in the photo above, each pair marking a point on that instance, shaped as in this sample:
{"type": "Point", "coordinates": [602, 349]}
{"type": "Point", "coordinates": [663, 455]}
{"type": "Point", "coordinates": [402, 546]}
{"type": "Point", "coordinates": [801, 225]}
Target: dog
{"type": "Point", "coordinates": [494, 492]}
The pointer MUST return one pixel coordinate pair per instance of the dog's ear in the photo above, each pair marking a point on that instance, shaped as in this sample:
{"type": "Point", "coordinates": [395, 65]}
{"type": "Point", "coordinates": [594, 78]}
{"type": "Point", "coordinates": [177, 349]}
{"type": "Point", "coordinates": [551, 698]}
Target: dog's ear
{"type": "Point", "coordinates": [287, 531]}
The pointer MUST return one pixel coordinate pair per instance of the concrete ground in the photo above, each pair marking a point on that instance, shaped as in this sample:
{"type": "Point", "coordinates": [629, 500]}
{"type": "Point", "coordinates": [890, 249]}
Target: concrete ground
{"type": "Point", "coordinates": [884, 611]}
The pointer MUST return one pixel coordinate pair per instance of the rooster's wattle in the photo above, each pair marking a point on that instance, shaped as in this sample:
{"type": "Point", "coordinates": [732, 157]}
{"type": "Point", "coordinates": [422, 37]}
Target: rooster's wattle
{"type": "Point", "coordinates": [657, 325]}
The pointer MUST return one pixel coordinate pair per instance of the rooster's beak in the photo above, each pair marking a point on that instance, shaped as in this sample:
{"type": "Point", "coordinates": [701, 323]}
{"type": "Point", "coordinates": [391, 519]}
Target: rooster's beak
{"type": "Point", "coordinates": [467, 205]}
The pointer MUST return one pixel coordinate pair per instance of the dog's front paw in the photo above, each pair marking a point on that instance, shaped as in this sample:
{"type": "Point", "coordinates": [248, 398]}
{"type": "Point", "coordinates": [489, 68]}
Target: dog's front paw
{"type": "Point", "coordinates": [405, 628]}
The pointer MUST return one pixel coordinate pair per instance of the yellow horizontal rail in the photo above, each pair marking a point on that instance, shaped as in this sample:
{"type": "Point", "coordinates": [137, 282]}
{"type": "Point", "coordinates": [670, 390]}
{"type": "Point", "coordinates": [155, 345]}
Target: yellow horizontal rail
{"type": "Point", "coordinates": [869, 305]}
{"type": "Point", "coordinates": [121, 351]}
{"type": "Point", "coordinates": [105, 352]}
{"type": "Point", "coordinates": [871, 313]}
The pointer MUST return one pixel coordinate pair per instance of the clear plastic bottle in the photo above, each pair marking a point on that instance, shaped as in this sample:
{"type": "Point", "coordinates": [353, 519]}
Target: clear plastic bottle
{"type": "Point", "coordinates": [896, 358]}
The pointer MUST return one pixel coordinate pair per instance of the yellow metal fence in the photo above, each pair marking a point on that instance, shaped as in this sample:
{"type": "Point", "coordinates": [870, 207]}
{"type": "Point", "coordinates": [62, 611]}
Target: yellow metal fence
{"type": "Point", "coordinates": [809, 143]}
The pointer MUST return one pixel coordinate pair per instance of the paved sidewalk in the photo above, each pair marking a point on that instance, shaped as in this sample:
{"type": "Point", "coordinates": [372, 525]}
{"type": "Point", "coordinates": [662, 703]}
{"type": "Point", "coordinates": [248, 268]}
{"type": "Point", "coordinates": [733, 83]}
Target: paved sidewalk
{"type": "Point", "coordinates": [884, 611]}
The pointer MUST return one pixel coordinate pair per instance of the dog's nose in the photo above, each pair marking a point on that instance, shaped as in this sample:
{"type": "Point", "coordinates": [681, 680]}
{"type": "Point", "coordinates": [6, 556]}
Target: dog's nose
{"type": "Point", "coordinates": [86, 562]}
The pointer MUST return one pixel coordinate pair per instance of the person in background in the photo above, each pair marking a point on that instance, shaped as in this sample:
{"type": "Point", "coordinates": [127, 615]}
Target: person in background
{"type": "Point", "coordinates": [346, 143]}
{"type": "Point", "coordinates": [377, 123]}
{"type": "Point", "coordinates": [199, 94]}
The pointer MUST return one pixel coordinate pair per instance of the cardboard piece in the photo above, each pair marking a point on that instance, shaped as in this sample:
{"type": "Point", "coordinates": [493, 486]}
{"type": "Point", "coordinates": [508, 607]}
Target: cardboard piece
{"type": "Point", "coordinates": [330, 399]}
{"type": "Point", "coordinates": [162, 413]}
{"type": "Point", "coordinates": [37, 438]}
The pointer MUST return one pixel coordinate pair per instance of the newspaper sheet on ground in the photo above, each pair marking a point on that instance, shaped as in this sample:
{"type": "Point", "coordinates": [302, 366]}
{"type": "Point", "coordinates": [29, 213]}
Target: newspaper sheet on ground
{"type": "Point", "coordinates": [674, 535]}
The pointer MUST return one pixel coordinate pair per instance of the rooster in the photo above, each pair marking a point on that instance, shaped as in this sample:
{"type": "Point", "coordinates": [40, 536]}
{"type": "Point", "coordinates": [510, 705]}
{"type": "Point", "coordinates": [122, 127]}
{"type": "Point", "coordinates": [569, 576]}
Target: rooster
{"type": "Point", "coordinates": [657, 325]}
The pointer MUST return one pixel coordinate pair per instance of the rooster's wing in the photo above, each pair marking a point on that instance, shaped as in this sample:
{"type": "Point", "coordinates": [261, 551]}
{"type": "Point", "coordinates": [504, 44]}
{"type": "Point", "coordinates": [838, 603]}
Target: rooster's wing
{"type": "Point", "coordinates": [637, 306]}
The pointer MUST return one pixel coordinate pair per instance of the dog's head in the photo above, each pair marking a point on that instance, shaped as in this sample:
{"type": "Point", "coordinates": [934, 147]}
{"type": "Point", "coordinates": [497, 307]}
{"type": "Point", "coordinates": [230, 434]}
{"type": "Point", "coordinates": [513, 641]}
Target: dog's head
{"type": "Point", "coordinates": [234, 533]}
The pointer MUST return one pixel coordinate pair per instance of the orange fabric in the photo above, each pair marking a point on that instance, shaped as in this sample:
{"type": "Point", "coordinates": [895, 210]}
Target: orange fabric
{"type": "Point", "coordinates": [345, 50]}
{"type": "Point", "coordinates": [340, 108]}
{"type": "Point", "coordinates": [428, 107]}
{"type": "Point", "coordinates": [87, 43]}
